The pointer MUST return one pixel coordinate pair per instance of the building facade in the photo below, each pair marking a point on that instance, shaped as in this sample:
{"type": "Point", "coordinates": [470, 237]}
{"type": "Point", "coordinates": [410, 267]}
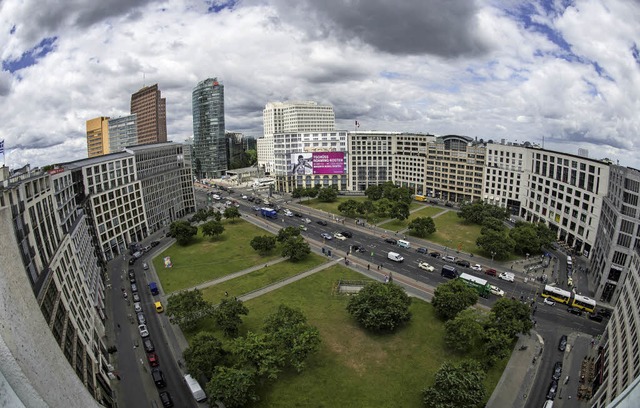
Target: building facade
{"type": "Point", "coordinates": [97, 136]}
{"type": "Point", "coordinates": [209, 142]}
{"type": "Point", "coordinates": [504, 176]}
{"type": "Point", "coordinates": [123, 132]}
{"type": "Point", "coordinates": [150, 109]}
{"type": "Point", "coordinates": [236, 147]}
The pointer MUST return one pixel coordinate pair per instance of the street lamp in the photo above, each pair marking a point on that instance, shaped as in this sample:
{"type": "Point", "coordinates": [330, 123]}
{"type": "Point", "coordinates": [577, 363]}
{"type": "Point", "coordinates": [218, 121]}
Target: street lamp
{"type": "Point", "coordinates": [493, 253]}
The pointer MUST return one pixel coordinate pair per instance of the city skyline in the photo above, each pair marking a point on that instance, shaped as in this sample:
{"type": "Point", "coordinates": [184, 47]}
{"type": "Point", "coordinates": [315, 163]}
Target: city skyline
{"type": "Point", "coordinates": [568, 73]}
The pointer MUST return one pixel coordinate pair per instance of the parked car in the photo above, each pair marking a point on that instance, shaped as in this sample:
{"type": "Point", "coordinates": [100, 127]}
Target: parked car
{"type": "Point", "coordinates": [557, 370]}
{"type": "Point", "coordinates": [251, 199]}
{"type": "Point", "coordinates": [134, 287]}
{"type": "Point", "coordinates": [154, 244]}
{"type": "Point", "coordinates": [426, 267]}
{"type": "Point", "coordinates": [562, 345]}
{"type": "Point", "coordinates": [136, 297]}
{"type": "Point", "coordinates": [145, 266]}
{"type": "Point", "coordinates": [143, 331]}
{"type": "Point", "coordinates": [491, 272]}
{"type": "Point", "coordinates": [288, 213]}
{"type": "Point", "coordinates": [141, 318]}
{"type": "Point", "coordinates": [303, 227]}
{"type": "Point", "coordinates": [497, 291]}
{"type": "Point", "coordinates": [166, 400]}
{"type": "Point", "coordinates": [422, 250]}
{"type": "Point", "coordinates": [553, 389]}
{"type": "Point", "coordinates": [326, 236]}
{"type": "Point", "coordinates": [132, 273]}
{"type": "Point", "coordinates": [152, 358]}
{"type": "Point", "coordinates": [322, 222]}
{"type": "Point", "coordinates": [347, 234]}
{"type": "Point", "coordinates": [449, 258]}
{"type": "Point", "coordinates": [575, 311]}
{"type": "Point", "coordinates": [358, 248]}
{"type": "Point", "coordinates": [339, 236]}
{"type": "Point", "coordinates": [297, 214]}
{"type": "Point", "coordinates": [507, 276]}
{"type": "Point", "coordinates": [137, 307]}
{"type": "Point", "coordinates": [159, 307]}
{"type": "Point", "coordinates": [435, 254]}
{"type": "Point", "coordinates": [548, 301]}
{"type": "Point", "coordinates": [132, 279]}
{"type": "Point", "coordinates": [595, 317]}
{"type": "Point", "coordinates": [476, 267]}
{"type": "Point", "coordinates": [148, 345]}
{"type": "Point", "coordinates": [132, 261]}
{"type": "Point", "coordinates": [604, 312]}
{"type": "Point", "coordinates": [462, 262]}
{"type": "Point", "coordinates": [391, 241]}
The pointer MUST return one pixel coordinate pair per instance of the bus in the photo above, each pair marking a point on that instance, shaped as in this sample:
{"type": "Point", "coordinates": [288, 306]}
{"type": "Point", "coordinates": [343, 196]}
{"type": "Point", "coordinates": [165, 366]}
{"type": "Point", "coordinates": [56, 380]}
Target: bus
{"type": "Point", "coordinates": [584, 303]}
{"type": "Point", "coordinates": [557, 294]}
{"type": "Point", "coordinates": [264, 182]}
{"type": "Point", "coordinates": [481, 285]}
{"type": "Point", "coordinates": [420, 198]}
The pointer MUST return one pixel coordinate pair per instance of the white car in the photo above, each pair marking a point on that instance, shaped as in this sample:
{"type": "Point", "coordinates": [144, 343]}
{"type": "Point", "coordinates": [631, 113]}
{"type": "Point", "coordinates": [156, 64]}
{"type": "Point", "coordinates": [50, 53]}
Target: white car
{"type": "Point", "coordinates": [244, 197]}
{"type": "Point", "coordinates": [548, 301]}
{"type": "Point", "coordinates": [143, 331]}
{"type": "Point", "coordinates": [339, 236]}
{"type": "Point", "coordinates": [326, 236]}
{"type": "Point", "coordinates": [303, 227]}
{"type": "Point", "coordinates": [497, 291]}
{"type": "Point", "coordinates": [137, 307]}
{"type": "Point", "coordinates": [426, 267]}
{"type": "Point", "coordinates": [508, 276]}
{"type": "Point", "coordinates": [306, 220]}
{"type": "Point", "coordinates": [476, 267]}
{"type": "Point", "coordinates": [288, 213]}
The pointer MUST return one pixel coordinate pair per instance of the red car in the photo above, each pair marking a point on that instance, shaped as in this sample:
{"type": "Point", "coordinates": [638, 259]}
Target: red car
{"type": "Point", "coordinates": [153, 359]}
{"type": "Point", "coordinates": [491, 272]}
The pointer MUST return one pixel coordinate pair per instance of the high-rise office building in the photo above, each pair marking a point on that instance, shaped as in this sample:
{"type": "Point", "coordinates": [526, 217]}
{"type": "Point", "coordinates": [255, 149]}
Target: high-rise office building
{"type": "Point", "coordinates": [123, 132]}
{"type": "Point", "coordinates": [151, 114]}
{"type": "Point", "coordinates": [209, 141]}
{"type": "Point", "coordinates": [98, 136]}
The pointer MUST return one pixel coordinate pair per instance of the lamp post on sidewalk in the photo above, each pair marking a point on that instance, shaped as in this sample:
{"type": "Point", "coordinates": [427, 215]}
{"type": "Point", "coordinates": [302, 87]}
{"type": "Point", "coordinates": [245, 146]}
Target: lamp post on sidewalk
{"type": "Point", "coordinates": [493, 254]}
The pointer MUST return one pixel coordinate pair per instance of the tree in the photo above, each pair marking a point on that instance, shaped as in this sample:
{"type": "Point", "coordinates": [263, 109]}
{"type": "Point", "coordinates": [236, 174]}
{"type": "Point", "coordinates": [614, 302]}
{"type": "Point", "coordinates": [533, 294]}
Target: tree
{"type": "Point", "coordinates": [365, 207]}
{"type": "Point", "coordinates": [312, 192]}
{"type": "Point", "coordinates": [260, 353]}
{"type": "Point", "coordinates": [495, 243]}
{"type": "Point", "coordinates": [287, 232]}
{"type": "Point", "coordinates": [382, 207]}
{"type": "Point", "coordinates": [212, 229]}
{"type": "Point", "coordinates": [186, 307]}
{"type": "Point", "coordinates": [478, 211]}
{"type": "Point", "coordinates": [493, 224]}
{"type": "Point", "coordinates": [452, 297]}
{"type": "Point", "coordinates": [380, 307]}
{"type": "Point", "coordinates": [510, 317]}
{"type": "Point", "coordinates": [328, 194]}
{"type": "Point", "coordinates": [422, 226]}
{"type": "Point", "coordinates": [204, 353]}
{"type": "Point", "coordinates": [465, 331]}
{"type": "Point", "coordinates": [545, 235]}
{"type": "Point", "coordinates": [233, 387]}
{"type": "Point", "coordinates": [263, 244]}
{"type": "Point", "coordinates": [182, 231]}
{"type": "Point", "coordinates": [525, 237]}
{"type": "Point", "coordinates": [349, 208]}
{"type": "Point", "coordinates": [496, 345]}
{"type": "Point", "coordinates": [374, 193]}
{"type": "Point", "coordinates": [296, 249]}
{"type": "Point", "coordinates": [456, 385]}
{"type": "Point", "coordinates": [227, 316]}
{"type": "Point", "coordinates": [231, 213]}
{"type": "Point", "coordinates": [298, 192]}
{"type": "Point", "coordinates": [400, 211]}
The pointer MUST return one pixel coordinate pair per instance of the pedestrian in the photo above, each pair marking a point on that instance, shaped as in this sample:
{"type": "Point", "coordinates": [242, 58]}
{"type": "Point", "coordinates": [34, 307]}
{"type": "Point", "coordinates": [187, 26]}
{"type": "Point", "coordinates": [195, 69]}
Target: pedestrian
{"type": "Point", "coordinates": [378, 267]}
{"type": "Point", "coordinates": [368, 267]}
{"type": "Point", "coordinates": [226, 293]}
{"type": "Point", "coordinates": [118, 325]}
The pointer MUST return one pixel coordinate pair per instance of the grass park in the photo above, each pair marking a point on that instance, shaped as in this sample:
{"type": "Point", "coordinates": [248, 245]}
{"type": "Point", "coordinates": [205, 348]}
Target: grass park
{"type": "Point", "coordinates": [353, 367]}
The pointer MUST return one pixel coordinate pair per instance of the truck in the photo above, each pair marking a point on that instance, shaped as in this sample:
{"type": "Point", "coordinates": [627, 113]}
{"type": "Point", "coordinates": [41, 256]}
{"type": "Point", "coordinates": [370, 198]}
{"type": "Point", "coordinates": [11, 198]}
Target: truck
{"type": "Point", "coordinates": [418, 197]}
{"type": "Point", "coordinates": [449, 272]}
{"type": "Point", "coordinates": [480, 285]}
{"type": "Point", "coordinates": [394, 256]}
{"type": "Point", "coordinates": [195, 388]}
{"type": "Point", "coordinates": [153, 287]}
{"type": "Point", "coordinates": [268, 212]}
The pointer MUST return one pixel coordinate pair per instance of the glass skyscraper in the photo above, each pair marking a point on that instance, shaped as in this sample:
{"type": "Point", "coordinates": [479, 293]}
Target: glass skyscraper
{"type": "Point", "coordinates": [209, 143]}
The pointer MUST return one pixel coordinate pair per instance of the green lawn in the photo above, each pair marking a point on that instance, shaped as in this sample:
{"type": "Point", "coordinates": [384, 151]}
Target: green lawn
{"type": "Point", "coordinates": [454, 232]}
{"type": "Point", "coordinates": [353, 368]}
{"type": "Point", "coordinates": [261, 278]}
{"type": "Point", "coordinates": [205, 259]}
{"type": "Point", "coordinates": [397, 225]}
{"type": "Point", "coordinates": [332, 208]}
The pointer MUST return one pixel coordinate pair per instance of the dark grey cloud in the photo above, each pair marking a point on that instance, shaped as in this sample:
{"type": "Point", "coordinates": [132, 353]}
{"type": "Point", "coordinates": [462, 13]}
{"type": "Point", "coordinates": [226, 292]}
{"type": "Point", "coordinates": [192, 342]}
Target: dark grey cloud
{"type": "Point", "coordinates": [447, 28]}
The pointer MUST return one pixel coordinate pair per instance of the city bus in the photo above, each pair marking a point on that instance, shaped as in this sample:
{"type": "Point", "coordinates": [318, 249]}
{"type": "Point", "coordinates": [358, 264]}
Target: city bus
{"type": "Point", "coordinates": [264, 182]}
{"type": "Point", "coordinates": [481, 285]}
{"type": "Point", "coordinates": [584, 303]}
{"type": "Point", "coordinates": [557, 294]}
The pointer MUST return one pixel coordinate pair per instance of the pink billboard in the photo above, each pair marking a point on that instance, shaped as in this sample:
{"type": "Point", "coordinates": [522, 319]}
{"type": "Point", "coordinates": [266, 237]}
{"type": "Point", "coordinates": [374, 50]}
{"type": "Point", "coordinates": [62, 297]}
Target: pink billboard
{"type": "Point", "coordinates": [317, 163]}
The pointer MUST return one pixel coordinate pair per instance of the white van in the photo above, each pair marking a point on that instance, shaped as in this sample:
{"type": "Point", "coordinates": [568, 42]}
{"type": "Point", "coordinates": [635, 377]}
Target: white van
{"type": "Point", "coordinates": [548, 404]}
{"type": "Point", "coordinates": [394, 256]}
{"type": "Point", "coordinates": [404, 244]}
{"type": "Point", "coordinates": [195, 388]}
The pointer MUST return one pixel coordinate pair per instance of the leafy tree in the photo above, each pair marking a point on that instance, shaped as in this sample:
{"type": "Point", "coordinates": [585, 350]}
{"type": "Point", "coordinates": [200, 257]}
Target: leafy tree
{"type": "Point", "coordinates": [465, 331]}
{"type": "Point", "coordinates": [227, 316]}
{"type": "Point", "coordinates": [422, 226]}
{"type": "Point", "coordinates": [510, 317]}
{"type": "Point", "coordinates": [204, 353]}
{"type": "Point", "coordinates": [452, 297]}
{"type": "Point", "coordinates": [200, 215]}
{"type": "Point", "coordinates": [374, 193]}
{"type": "Point", "coordinates": [182, 231]}
{"type": "Point", "coordinates": [492, 224]}
{"type": "Point", "coordinates": [496, 243]}
{"type": "Point", "coordinates": [365, 207]}
{"type": "Point", "coordinates": [252, 156]}
{"type": "Point", "coordinates": [233, 387]}
{"type": "Point", "coordinates": [496, 345]}
{"type": "Point", "coordinates": [186, 307]}
{"type": "Point", "coordinates": [380, 307]}
{"type": "Point", "coordinates": [287, 232]}
{"type": "Point", "coordinates": [478, 211]}
{"type": "Point", "coordinates": [398, 194]}
{"type": "Point", "coordinates": [545, 235]}
{"type": "Point", "coordinates": [263, 244]}
{"type": "Point", "coordinates": [456, 385]}
{"type": "Point", "coordinates": [382, 207]}
{"type": "Point", "coordinates": [312, 192]}
{"type": "Point", "coordinates": [525, 238]}
{"type": "Point", "coordinates": [212, 229]}
{"type": "Point", "coordinates": [215, 214]}
{"type": "Point", "coordinates": [231, 213]}
{"type": "Point", "coordinates": [298, 192]}
{"type": "Point", "coordinates": [400, 211]}
{"type": "Point", "coordinates": [261, 353]}
{"type": "Point", "coordinates": [348, 208]}
{"type": "Point", "coordinates": [296, 249]}
{"type": "Point", "coordinates": [328, 194]}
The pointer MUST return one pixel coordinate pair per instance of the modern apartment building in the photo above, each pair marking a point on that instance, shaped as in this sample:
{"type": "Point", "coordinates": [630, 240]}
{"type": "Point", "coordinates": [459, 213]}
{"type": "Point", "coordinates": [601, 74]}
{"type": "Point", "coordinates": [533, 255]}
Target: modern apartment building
{"type": "Point", "coordinates": [209, 142]}
{"type": "Point", "coordinates": [290, 117]}
{"type": "Point", "coordinates": [97, 136]}
{"type": "Point", "coordinates": [150, 109]}
{"type": "Point", "coordinates": [123, 132]}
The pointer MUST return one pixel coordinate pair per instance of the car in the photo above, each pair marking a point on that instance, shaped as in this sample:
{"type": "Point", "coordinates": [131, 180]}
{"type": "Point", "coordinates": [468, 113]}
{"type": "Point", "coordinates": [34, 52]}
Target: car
{"type": "Point", "coordinates": [339, 236]}
{"type": "Point", "coordinates": [297, 214]}
{"type": "Point", "coordinates": [256, 208]}
{"type": "Point", "coordinates": [604, 312]}
{"type": "Point", "coordinates": [145, 266]}
{"type": "Point", "coordinates": [244, 197]}
{"type": "Point", "coordinates": [303, 227]}
{"type": "Point", "coordinates": [449, 258]}
{"type": "Point", "coordinates": [548, 301]}
{"type": "Point", "coordinates": [152, 358]}
{"type": "Point", "coordinates": [134, 287]}
{"type": "Point", "coordinates": [426, 267]}
{"type": "Point", "coordinates": [476, 267]}
{"type": "Point", "coordinates": [491, 272]}
{"type": "Point", "coordinates": [158, 378]}
{"type": "Point", "coordinates": [574, 311]}
{"type": "Point", "coordinates": [422, 250]}
{"type": "Point", "coordinates": [147, 248]}
{"type": "Point", "coordinates": [154, 244]}
{"type": "Point", "coordinates": [144, 332]}
{"type": "Point", "coordinates": [132, 279]}
{"type": "Point", "coordinates": [141, 318]}
{"type": "Point", "coordinates": [557, 370]}
{"type": "Point", "coordinates": [391, 241]}
{"type": "Point", "coordinates": [358, 248]}
{"type": "Point", "coordinates": [435, 254]}
{"type": "Point", "coordinates": [507, 276]}
{"type": "Point", "coordinates": [347, 234]}
{"type": "Point", "coordinates": [166, 400]}
{"type": "Point", "coordinates": [462, 262]}
{"type": "Point", "coordinates": [148, 345]}
{"type": "Point", "coordinates": [497, 291]}
{"type": "Point", "coordinates": [137, 307]}
{"type": "Point", "coordinates": [326, 236]}
{"type": "Point", "coordinates": [595, 317]}
{"type": "Point", "coordinates": [132, 261]}
{"type": "Point", "coordinates": [562, 345]}
{"type": "Point", "coordinates": [159, 307]}
{"type": "Point", "coordinates": [321, 222]}
{"type": "Point", "coordinates": [132, 273]}
{"type": "Point", "coordinates": [306, 220]}
{"type": "Point", "coordinates": [251, 199]}
{"type": "Point", "coordinates": [288, 213]}
{"type": "Point", "coordinates": [136, 297]}
{"type": "Point", "coordinates": [553, 389]}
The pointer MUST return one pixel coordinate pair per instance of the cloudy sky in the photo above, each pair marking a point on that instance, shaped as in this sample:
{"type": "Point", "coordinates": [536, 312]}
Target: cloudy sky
{"type": "Point", "coordinates": [564, 71]}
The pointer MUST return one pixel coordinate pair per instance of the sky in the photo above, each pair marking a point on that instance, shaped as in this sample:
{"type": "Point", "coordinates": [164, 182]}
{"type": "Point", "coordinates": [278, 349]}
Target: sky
{"type": "Point", "coordinates": [561, 73]}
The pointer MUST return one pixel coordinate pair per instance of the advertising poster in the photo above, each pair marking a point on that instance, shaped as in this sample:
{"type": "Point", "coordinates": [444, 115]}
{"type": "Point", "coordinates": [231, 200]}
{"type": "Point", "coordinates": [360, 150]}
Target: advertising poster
{"type": "Point", "coordinates": [317, 163]}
